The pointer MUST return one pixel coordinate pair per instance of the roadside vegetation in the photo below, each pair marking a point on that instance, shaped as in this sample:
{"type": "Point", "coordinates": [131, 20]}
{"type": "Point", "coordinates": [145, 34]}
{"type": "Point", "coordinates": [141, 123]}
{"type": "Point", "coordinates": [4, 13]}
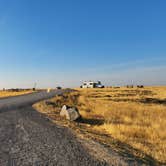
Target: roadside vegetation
{"type": "Point", "coordinates": [129, 120]}
{"type": "Point", "coordinates": [4, 93]}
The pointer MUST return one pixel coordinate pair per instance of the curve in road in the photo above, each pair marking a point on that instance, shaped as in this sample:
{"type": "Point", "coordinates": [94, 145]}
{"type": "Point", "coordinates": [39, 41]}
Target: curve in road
{"type": "Point", "coordinates": [28, 138]}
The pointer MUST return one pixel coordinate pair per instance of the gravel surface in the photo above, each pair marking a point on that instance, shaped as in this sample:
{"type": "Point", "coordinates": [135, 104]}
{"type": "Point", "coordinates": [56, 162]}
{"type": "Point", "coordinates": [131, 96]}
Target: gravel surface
{"type": "Point", "coordinates": [26, 100]}
{"type": "Point", "coordinates": [28, 138]}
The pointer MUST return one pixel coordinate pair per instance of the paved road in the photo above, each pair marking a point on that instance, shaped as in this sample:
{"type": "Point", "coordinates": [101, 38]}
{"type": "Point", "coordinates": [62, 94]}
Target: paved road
{"type": "Point", "coordinates": [28, 138]}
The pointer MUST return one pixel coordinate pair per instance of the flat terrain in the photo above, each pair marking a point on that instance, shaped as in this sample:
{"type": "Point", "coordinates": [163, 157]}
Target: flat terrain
{"type": "Point", "coordinates": [129, 121]}
{"type": "Point", "coordinates": [9, 94]}
{"type": "Point", "coordinates": [29, 138]}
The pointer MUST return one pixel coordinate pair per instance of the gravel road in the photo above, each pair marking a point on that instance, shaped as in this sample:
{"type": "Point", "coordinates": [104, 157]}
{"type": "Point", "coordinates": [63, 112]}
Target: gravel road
{"type": "Point", "coordinates": [26, 100]}
{"type": "Point", "coordinates": [28, 138]}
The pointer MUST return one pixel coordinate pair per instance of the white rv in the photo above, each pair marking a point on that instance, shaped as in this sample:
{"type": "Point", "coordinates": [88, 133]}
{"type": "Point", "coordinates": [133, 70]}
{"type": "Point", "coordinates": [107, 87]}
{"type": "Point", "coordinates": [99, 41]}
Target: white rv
{"type": "Point", "coordinates": [92, 84]}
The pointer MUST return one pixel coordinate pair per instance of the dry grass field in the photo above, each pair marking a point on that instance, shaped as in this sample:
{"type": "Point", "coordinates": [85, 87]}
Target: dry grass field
{"type": "Point", "coordinates": [9, 94]}
{"type": "Point", "coordinates": [129, 120]}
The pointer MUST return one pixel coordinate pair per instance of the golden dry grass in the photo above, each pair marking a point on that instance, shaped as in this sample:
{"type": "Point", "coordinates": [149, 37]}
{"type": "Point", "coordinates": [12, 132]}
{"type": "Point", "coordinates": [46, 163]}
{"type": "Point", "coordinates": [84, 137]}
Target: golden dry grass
{"type": "Point", "coordinates": [9, 94]}
{"type": "Point", "coordinates": [135, 117]}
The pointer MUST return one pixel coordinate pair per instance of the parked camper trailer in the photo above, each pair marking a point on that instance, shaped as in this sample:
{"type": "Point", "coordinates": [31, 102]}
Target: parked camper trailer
{"type": "Point", "coordinates": [92, 84]}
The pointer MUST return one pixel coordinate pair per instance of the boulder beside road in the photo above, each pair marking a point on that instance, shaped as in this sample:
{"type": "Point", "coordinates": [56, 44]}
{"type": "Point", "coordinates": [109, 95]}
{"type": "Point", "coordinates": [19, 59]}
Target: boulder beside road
{"type": "Point", "coordinates": [70, 113]}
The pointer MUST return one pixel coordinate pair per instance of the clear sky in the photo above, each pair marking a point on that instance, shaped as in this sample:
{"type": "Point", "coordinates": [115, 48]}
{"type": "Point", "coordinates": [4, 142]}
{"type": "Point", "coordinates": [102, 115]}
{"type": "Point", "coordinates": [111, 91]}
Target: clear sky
{"type": "Point", "coordinates": [64, 42]}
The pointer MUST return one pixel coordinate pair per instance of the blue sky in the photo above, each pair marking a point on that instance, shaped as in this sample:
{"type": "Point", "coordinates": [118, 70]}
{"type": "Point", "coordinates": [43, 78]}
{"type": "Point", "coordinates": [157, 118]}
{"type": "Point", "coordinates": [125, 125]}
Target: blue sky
{"type": "Point", "coordinates": [54, 42]}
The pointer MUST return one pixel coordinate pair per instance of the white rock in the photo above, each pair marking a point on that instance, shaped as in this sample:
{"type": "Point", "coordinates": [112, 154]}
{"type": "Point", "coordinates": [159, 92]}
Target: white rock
{"type": "Point", "coordinates": [71, 114]}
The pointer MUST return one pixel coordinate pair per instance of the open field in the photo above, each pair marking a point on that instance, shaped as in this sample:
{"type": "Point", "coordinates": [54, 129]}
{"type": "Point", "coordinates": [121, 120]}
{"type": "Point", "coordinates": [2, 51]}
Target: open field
{"type": "Point", "coordinates": [9, 93]}
{"type": "Point", "coordinates": [131, 121]}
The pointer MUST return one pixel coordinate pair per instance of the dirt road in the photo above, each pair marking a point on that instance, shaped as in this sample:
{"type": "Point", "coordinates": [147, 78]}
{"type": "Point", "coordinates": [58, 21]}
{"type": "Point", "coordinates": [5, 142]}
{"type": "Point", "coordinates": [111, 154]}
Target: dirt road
{"type": "Point", "coordinates": [28, 138]}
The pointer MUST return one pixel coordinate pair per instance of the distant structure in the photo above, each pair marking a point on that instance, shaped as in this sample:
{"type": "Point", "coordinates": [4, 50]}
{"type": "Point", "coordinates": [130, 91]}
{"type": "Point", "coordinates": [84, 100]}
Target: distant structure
{"type": "Point", "coordinates": [92, 84]}
{"type": "Point", "coordinates": [140, 86]}
{"type": "Point", "coordinates": [130, 86]}
{"type": "Point", "coordinates": [34, 88]}
{"type": "Point", "coordinates": [58, 87]}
